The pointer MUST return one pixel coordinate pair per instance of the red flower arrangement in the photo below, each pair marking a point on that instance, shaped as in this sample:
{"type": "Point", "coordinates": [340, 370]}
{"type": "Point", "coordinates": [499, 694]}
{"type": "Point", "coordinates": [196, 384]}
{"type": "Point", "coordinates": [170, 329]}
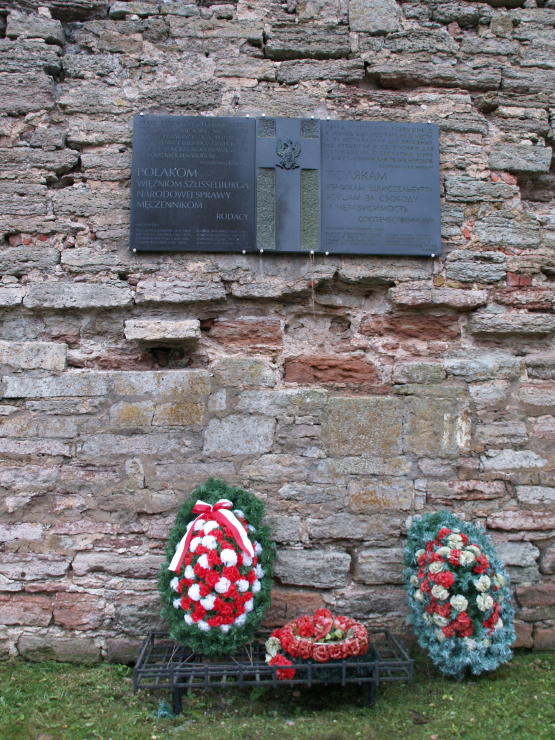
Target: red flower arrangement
{"type": "Point", "coordinates": [322, 638]}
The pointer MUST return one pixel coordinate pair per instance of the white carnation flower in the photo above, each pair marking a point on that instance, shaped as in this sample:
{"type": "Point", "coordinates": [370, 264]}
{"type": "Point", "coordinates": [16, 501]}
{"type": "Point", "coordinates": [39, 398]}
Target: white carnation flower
{"type": "Point", "coordinates": [427, 618]}
{"type": "Point", "coordinates": [222, 585]}
{"type": "Point", "coordinates": [259, 571]}
{"type": "Point", "coordinates": [194, 592]}
{"type": "Point", "coordinates": [256, 586]}
{"type": "Point", "coordinates": [247, 560]}
{"type": "Point", "coordinates": [418, 595]}
{"type": "Point", "coordinates": [188, 619]}
{"type": "Point", "coordinates": [498, 625]}
{"type": "Point", "coordinates": [484, 602]}
{"type": "Point", "coordinates": [414, 581]}
{"type": "Point", "coordinates": [474, 548]}
{"type": "Point", "coordinates": [189, 572]}
{"type": "Point", "coordinates": [225, 628]}
{"type": "Point", "coordinates": [174, 583]}
{"type": "Point", "coordinates": [440, 636]}
{"type": "Point", "coordinates": [239, 514]}
{"type": "Point", "coordinates": [241, 619]}
{"type": "Point", "coordinates": [459, 603]}
{"type": "Point", "coordinates": [204, 626]}
{"type": "Point", "coordinates": [499, 579]}
{"type": "Point", "coordinates": [195, 542]}
{"type": "Point", "coordinates": [176, 603]}
{"type": "Point", "coordinates": [257, 548]}
{"type": "Point", "coordinates": [466, 558]}
{"type": "Point", "coordinates": [437, 567]}
{"type": "Point", "coordinates": [438, 592]}
{"type": "Point", "coordinates": [251, 528]}
{"type": "Point", "coordinates": [482, 584]}
{"type": "Point", "coordinates": [273, 646]}
{"type": "Point", "coordinates": [210, 527]}
{"type": "Point", "coordinates": [199, 524]}
{"type": "Point", "coordinates": [455, 541]}
{"type": "Point", "coordinates": [443, 551]}
{"type": "Point", "coordinates": [249, 605]}
{"type": "Point", "coordinates": [470, 643]}
{"type": "Point", "coordinates": [242, 585]}
{"type": "Point", "coordinates": [486, 643]}
{"type": "Point", "coordinates": [440, 621]}
{"type": "Point", "coordinates": [210, 542]}
{"type": "Point", "coordinates": [203, 562]}
{"type": "Point", "coordinates": [208, 602]}
{"type": "Point", "coordinates": [418, 553]}
{"type": "Point", "coordinates": [228, 557]}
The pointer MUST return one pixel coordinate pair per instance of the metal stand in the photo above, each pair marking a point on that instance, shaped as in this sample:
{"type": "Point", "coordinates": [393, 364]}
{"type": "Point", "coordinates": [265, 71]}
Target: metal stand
{"type": "Point", "coordinates": [163, 663]}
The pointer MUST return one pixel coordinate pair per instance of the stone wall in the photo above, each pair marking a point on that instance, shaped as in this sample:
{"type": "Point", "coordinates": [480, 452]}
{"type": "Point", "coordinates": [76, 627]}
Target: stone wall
{"type": "Point", "coordinates": [410, 385]}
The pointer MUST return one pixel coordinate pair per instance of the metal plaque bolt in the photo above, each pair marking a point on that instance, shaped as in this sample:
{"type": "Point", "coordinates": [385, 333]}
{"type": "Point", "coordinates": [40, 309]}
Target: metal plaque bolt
{"type": "Point", "coordinates": [327, 253]}
{"type": "Point", "coordinates": [134, 250]}
{"type": "Point", "coordinates": [312, 117]}
{"type": "Point", "coordinates": [429, 121]}
{"type": "Point", "coordinates": [311, 251]}
{"type": "Point", "coordinates": [261, 251]}
{"type": "Point", "coordinates": [433, 255]}
{"type": "Point", "coordinates": [244, 251]}
{"type": "Point", "coordinates": [141, 113]}
{"type": "Point", "coordinates": [248, 115]}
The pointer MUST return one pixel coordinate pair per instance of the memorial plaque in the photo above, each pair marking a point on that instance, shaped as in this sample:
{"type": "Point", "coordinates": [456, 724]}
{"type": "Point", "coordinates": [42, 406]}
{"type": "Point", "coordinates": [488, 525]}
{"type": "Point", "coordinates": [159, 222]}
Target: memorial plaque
{"type": "Point", "coordinates": [285, 185]}
{"type": "Point", "coordinates": [193, 186]}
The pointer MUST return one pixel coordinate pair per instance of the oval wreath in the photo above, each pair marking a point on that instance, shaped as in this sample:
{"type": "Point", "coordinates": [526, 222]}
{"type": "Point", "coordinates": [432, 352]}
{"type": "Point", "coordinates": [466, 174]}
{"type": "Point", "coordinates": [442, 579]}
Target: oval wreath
{"type": "Point", "coordinates": [216, 581]}
{"type": "Point", "coordinates": [458, 595]}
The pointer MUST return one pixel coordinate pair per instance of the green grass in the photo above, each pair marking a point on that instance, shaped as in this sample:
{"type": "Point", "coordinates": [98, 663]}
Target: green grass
{"type": "Point", "coordinates": [76, 703]}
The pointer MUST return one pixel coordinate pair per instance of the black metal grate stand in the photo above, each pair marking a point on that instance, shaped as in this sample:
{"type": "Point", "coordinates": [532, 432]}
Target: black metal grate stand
{"type": "Point", "coordinates": [163, 663]}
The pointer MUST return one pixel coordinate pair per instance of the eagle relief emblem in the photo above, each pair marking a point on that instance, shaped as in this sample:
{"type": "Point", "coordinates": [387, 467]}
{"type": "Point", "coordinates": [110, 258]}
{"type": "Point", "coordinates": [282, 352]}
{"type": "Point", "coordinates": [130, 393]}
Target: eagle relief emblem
{"type": "Point", "coordinates": [288, 151]}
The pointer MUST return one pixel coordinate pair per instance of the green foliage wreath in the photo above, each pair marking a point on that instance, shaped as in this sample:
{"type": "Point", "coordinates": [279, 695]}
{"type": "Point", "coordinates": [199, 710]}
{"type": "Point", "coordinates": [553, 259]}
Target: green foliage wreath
{"type": "Point", "coordinates": [458, 595]}
{"type": "Point", "coordinates": [251, 581]}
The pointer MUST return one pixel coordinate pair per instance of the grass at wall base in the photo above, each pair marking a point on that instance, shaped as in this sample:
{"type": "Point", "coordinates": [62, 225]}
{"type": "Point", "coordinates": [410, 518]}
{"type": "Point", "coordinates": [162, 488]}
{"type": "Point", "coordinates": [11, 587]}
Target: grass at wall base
{"type": "Point", "coordinates": [78, 703]}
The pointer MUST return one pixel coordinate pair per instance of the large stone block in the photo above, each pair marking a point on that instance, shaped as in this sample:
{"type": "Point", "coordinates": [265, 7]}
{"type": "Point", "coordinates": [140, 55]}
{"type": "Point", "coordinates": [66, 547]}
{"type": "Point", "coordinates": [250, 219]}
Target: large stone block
{"type": "Point", "coordinates": [437, 426]}
{"type": "Point", "coordinates": [277, 469]}
{"type": "Point", "coordinates": [547, 561]}
{"type": "Point", "coordinates": [538, 394]}
{"type": "Point", "coordinates": [337, 468]}
{"type": "Point", "coordinates": [68, 384]}
{"type": "Point", "coordinates": [317, 568]}
{"type": "Point", "coordinates": [33, 355]}
{"type": "Point", "coordinates": [127, 414]}
{"type": "Point", "coordinates": [511, 323]}
{"type": "Point", "coordinates": [544, 638]}
{"type": "Point", "coordinates": [35, 27]}
{"type": "Point", "coordinates": [186, 476]}
{"type": "Point", "coordinates": [470, 189]}
{"type": "Point", "coordinates": [540, 594]}
{"type": "Point", "coordinates": [243, 372]}
{"type": "Point", "coordinates": [136, 566]}
{"type": "Point", "coordinates": [363, 426]}
{"type": "Point", "coordinates": [288, 604]}
{"type": "Point", "coordinates": [26, 93]}
{"type": "Point", "coordinates": [377, 529]}
{"type": "Point", "coordinates": [35, 567]}
{"type": "Point", "coordinates": [317, 369]}
{"type": "Point", "coordinates": [284, 41]}
{"type": "Point", "coordinates": [161, 445]}
{"type": "Point", "coordinates": [38, 648]}
{"type": "Point", "coordinates": [511, 460]}
{"type": "Point", "coordinates": [122, 650]}
{"type": "Point", "coordinates": [503, 230]}
{"type": "Point", "coordinates": [521, 520]}
{"type": "Point", "coordinates": [412, 326]}
{"type": "Point", "coordinates": [293, 72]}
{"type": "Point", "coordinates": [284, 528]}
{"type": "Point", "coordinates": [380, 606]}
{"type": "Point", "coordinates": [29, 55]}
{"type": "Point", "coordinates": [248, 332]}
{"type": "Point", "coordinates": [168, 332]}
{"type": "Point", "coordinates": [35, 164]}
{"type": "Point", "coordinates": [237, 435]}
{"type": "Point", "coordinates": [25, 531]}
{"type": "Point", "coordinates": [365, 495]}
{"type": "Point", "coordinates": [11, 296]}
{"type": "Point", "coordinates": [77, 295]}
{"type": "Point", "coordinates": [374, 16]}
{"type": "Point", "coordinates": [379, 565]}
{"type": "Point", "coordinates": [479, 267]}
{"type": "Point", "coordinates": [418, 372]}
{"type": "Point", "coordinates": [172, 290]}
{"type": "Point", "coordinates": [465, 490]}
{"type": "Point", "coordinates": [21, 260]}
{"type": "Point", "coordinates": [521, 159]}
{"type": "Point", "coordinates": [25, 610]}
{"type": "Point", "coordinates": [518, 554]}
{"type": "Point", "coordinates": [536, 495]}
{"type": "Point", "coordinates": [428, 297]}
{"type": "Point", "coordinates": [77, 611]}
{"type": "Point", "coordinates": [484, 367]}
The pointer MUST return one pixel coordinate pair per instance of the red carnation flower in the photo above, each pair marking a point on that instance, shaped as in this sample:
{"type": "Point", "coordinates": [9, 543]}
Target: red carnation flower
{"type": "Point", "coordinates": [211, 577]}
{"type": "Point", "coordinates": [213, 558]}
{"type": "Point", "coordinates": [464, 538]}
{"type": "Point", "coordinates": [198, 613]}
{"type": "Point", "coordinates": [321, 653]}
{"type": "Point", "coordinates": [283, 674]}
{"type": "Point", "coordinates": [454, 557]}
{"type": "Point", "coordinates": [463, 625]}
{"type": "Point", "coordinates": [204, 590]}
{"type": "Point", "coordinates": [425, 587]}
{"type": "Point", "coordinates": [199, 570]}
{"type": "Point", "coordinates": [444, 611]}
{"type": "Point", "coordinates": [201, 550]}
{"type": "Point", "coordinates": [218, 534]}
{"type": "Point", "coordinates": [449, 631]}
{"type": "Point", "coordinates": [305, 649]}
{"type": "Point", "coordinates": [436, 558]}
{"type": "Point", "coordinates": [305, 627]}
{"type": "Point", "coordinates": [482, 564]}
{"type": "Point", "coordinates": [188, 582]}
{"type": "Point", "coordinates": [181, 586]}
{"type": "Point", "coordinates": [445, 579]}
{"type": "Point", "coordinates": [276, 633]}
{"type": "Point", "coordinates": [251, 577]}
{"type": "Point", "coordinates": [443, 533]}
{"type": "Point", "coordinates": [422, 560]}
{"type": "Point", "coordinates": [216, 621]}
{"type": "Point", "coordinates": [231, 574]}
{"type": "Point", "coordinates": [188, 558]}
{"type": "Point", "coordinates": [226, 610]}
{"type": "Point", "coordinates": [325, 613]}
{"type": "Point", "coordinates": [429, 546]}
{"type": "Point", "coordinates": [185, 603]}
{"type": "Point", "coordinates": [338, 651]}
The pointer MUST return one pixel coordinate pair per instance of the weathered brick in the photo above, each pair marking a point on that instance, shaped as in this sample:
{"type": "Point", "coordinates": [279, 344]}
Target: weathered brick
{"type": "Point", "coordinates": [376, 17]}
{"type": "Point", "coordinates": [484, 367]}
{"type": "Point", "coordinates": [35, 27]}
{"type": "Point", "coordinates": [158, 290]}
{"type": "Point", "coordinates": [76, 295]}
{"type": "Point", "coordinates": [524, 520]}
{"type": "Point", "coordinates": [26, 610]}
{"type": "Point", "coordinates": [365, 495]}
{"type": "Point", "coordinates": [317, 369]}
{"type": "Point", "coordinates": [428, 297]}
{"type": "Point", "coordinates": [523, 633]}
{"type": "Point", "coordinates": [547, 561]}
{"type": "Point", "coordinates": [437, 426]}
{"type": "Point", "coordinates": [418, 372]}
{"type": "Point", "coordinates": [33, 355]}
{"type": "Point", "coordinates": [376, 529]}
{"type": "Point", "coordinates": [518, 554]}
{"type": "Point", "coordinates": [415, 326]}
{"type": "Point", "coordinates": [539, 394]}
{"type": "Point", "coordinates": [237, 435]}
{"type": "Point", "coordinates": [277, 468]}
{"type": "Point", "coordinates": [166, 332]}
{"type": "Point", "coordinates": [243, 372]}
{"type": "Point", "coordinates": [541, 594]}
{"type": "Point", "coordinates": [37, 566]}
{"type": "Point", "coordinates": [520, 159]}
{"type": "Point", "coordinates": [77, 611]}
{"type": "Point", "coordinates": [480, 267]}
{"type": "Point", "coordinates": [465, 490]}
{"type": "Point", "coordinates": [137, 566]}
{"type": "Point", "coordinates": [247, 332]}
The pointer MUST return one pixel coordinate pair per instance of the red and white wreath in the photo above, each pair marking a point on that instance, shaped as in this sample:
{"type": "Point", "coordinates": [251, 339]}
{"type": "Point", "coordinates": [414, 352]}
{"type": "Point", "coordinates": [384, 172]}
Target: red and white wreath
{"type": "Point", "coordinates": [217, 567]}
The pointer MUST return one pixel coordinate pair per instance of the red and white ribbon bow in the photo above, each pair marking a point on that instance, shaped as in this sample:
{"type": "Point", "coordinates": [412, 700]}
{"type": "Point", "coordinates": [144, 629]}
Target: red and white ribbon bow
{"type": "Point", "coordinates": [220, 512]}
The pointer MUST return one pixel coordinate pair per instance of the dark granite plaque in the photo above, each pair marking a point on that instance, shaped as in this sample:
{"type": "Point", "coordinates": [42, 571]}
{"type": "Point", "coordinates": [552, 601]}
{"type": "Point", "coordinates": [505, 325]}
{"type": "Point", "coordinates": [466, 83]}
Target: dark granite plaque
{"type": "Point", "coordinates": [193, 186]}
{"type": "Point", "coordinates": [380, 188]}
{"type": "Point", "coordinates": [285, 185]}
